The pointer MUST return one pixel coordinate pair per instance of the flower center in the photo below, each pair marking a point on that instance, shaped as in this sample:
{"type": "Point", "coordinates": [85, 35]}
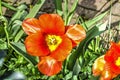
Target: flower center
{"type": "Point", "coordinates": [118, 61]}
{"type": "Point", "coordinates": [53, 41]}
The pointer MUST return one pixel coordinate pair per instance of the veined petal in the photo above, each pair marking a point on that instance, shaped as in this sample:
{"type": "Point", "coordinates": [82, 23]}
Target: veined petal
{"type": "Point", "coordinates": [102, 68]}
{"type": "Point", "coordinates": [49, 66]}
{"type": "Point", "coordinates": [112, 57]}
{"type": "Point", "coordinates": [107, 74]}
{"type": "Point", "coordinates": [109, 56]}
{"type": "Point", "coordinates": [52, 24]}
{"type": "Point", "coordinates": [35, 45]}
{"type": "Point", "coordinates": [62, 50]}
{"type": "Point", "coordinates": [76, 33]}
{"type": "Point", "coordinates": [31, 25]}
{"type": "Point", "coordinates": [98, 66]}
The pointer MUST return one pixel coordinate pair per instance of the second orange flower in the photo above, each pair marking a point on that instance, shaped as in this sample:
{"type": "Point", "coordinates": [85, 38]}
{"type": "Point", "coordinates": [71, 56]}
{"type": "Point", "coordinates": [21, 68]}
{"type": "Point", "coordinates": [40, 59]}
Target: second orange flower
{"type": "Point", "coordinates": [108, 65]}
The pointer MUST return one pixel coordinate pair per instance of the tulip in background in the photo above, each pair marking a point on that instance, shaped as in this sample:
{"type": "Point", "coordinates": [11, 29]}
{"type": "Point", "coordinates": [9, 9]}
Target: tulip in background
{"type": "Point", "coordinates": [108, 65]}
{"type": "Point", "coordinates": [49, 39]}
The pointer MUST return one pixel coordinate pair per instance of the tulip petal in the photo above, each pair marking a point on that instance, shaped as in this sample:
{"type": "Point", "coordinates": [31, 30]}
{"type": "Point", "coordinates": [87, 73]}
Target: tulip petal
{"type": "Point", "coordinates": [62, 50]}
{"type": "Point", "coordinates": [35, 45]}
{"type": "Point", "coordinates": [107, 73]}
{"type": "Point", "coordinates": [49, 66]}
{"type": "Point", "coordinates": [103, 69]}
{"type": "Point", "coordinates": [52, 24]}
{"type": "Point", "coordinates": [98, 66]}
{"type": "Point", "coordinates": [111, 57]}
{"type": "Point", "coordinates": [31, 25]}
{"type": "Point", "coordinates": [76, 33]}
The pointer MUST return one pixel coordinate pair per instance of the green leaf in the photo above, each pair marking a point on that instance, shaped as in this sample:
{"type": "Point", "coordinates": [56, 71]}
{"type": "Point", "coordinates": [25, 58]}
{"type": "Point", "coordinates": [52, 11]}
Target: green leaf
{"type": "Point", "coordinates": [0, 9]}
{"type": "Point", "coordinates": [20, 12]}
{"type": "Point", "coordinates": [74, 77]}
{"type": "Point", "coordinates": [3, 25]}
{"type": "Point", "coordinates": [5, 22]}
{"type": "Point", "coordinates": [68, 76]}
{"type": "Point", "coordinates": [2, 32]}
{"type": "Point", "coordinates": [35, 9]}
{"type": "Point", "coordinates": [31, 14]}
{"type": "Point", "coordinates": [3, 44]}
{"type": "Point", "coordinates": [18, 36]}
{"type": "Point", "coordinates": [58, 6]}
{"type": "Point", "coordinates": [20, 49]}
{"type": "Point", "coordinates": [65, 13]}
{"type": "Point", "coordinates": [2, 72]}
{"type": "Point", "coordinates": [76, 68]}
{"type": "Point", "coordinates": [16, 26]}
{"type": "Point", "coordinates": [96, 30]}
{"type": "Point", "coordinates": [70, 14]}
{"type": "Point", "coordinates": [9, 6]}
{"type": "Point", "coordinates": [89, 23]}
{"type": "Point", "coordinates": [94, 78]}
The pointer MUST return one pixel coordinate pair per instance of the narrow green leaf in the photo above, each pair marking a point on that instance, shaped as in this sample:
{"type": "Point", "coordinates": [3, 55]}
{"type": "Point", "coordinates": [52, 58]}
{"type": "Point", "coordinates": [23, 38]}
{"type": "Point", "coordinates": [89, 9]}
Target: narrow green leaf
{"type": "Point", "coordinates": [97, 30]}
{"type": "Point", "coordinates": [31, 14]}
{"type": "Point", "coordinates": [65, 11]}
{"type": "Point", "coordinates": [18, 36]}
{"type": "Point", "coordinates": [94, 78]}
{"type": "Point", "coordinates": [68, 76]}
{"type": "Point", "coordinates": [20, 49]}
{"type": "Point", "coordinates": [76, 68]}
{"type": "Point", "coordinates": [74, 77]}
{"type": "Point", "coordinates": [35, 9]}
{"type": "Point", "coordinates": [21, 11]}
{"type": "Point", "coordinates": [16, 30]}
{"type": "Point", "coordinates": [82, 22]}
{"type": "Point", "coordinates": [2, 18]}
{"type": "Point", "coordinates": [2, 72]}
{"type": "Point", "coordinates": [58, 6]}
{"type": "Point", "coordinates": [70, 14]}
{"type": "Point", "coordinates": [3, 23]}
{"type": "Point", "coordinates": [0, 8]}
{"type": "Point", "coordinates": [9, 6]}
{"type": "Point", "coordinates": [22, 7]}
{"type": "Point", "coordinates": [16, 26]}
{"type": "Point", "coordinates": [89, 23]}
{"type": "Point", "coordinates": [3, 44]}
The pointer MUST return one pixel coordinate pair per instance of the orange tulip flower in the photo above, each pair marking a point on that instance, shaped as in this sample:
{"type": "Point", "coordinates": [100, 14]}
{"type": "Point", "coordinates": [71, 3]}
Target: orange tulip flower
{"type": "Point", "coordinates": [50, 39]}
{"type": "Point", "coordinates": [108, 65]}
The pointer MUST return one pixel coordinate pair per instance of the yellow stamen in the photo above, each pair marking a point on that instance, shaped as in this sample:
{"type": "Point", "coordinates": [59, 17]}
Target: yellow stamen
{"type": "Point", "coordinates": [53, 41]}
{"type": "Point", "coordinates": [118, 61]}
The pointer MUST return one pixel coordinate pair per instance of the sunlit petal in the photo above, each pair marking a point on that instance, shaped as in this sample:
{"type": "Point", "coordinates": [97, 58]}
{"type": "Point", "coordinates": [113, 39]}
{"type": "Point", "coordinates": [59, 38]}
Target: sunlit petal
{"type": "Point", "coordinates": [76, 33]}
{"type": "Point", "coordinates": [52, 24]}
{"type": "Point", "coordinates": [112, 57]}
{"type": "Point", "coordinates": [63, 49]}
{"type": "Point", "coordinates": [31, 25]}
{"type": "Point", "coordinates": [107, 73]}
{"type": "Point", "coordinates": [49, 66]}
{"type": "Point", "coordinates": [36, 45]}
{"type": "Point", "coordinates": [98, 66]}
